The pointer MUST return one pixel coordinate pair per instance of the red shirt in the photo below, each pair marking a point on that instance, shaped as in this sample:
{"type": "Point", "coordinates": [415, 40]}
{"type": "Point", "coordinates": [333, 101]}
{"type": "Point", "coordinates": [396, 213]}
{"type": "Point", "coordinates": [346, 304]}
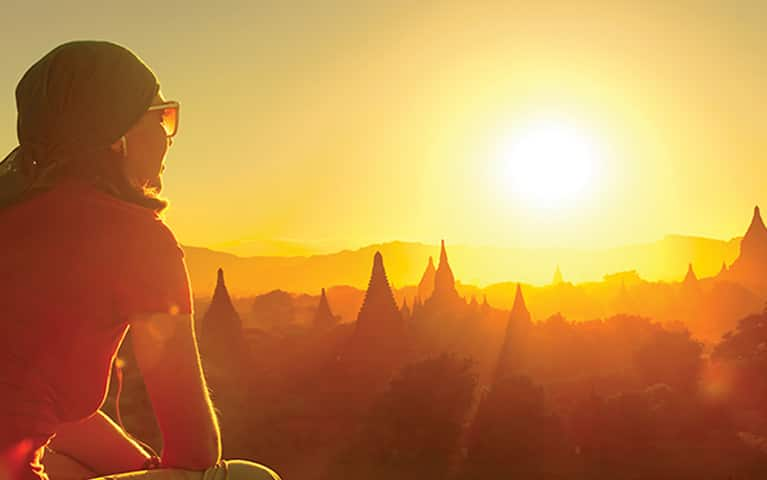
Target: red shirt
{"type": "Point", "coordinates": [75, 263]}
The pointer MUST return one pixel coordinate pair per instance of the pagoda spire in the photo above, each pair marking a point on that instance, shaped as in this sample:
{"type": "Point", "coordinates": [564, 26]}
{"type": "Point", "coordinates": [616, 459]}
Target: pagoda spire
{"type": "Point", "coordinates": [754, 242]}
{"type": "Point", "coordinates": [515, 341]}
{"type": "Point", "coordinates": [756, 222]}
{"type": "Point", "coordinates": [221, 327]}
{"type": "Point", "coordinates": [557, 280]}
{"type": "Point", "coordinates": [690, 278]}
{"type": "Point", "coordinates": [379, 309]}
{"type": "Point", "coordinates": [426, 285]}
{"type": "Point", "coordinates": [323, 316]}
{"type": "Point", "coordinates": [380, 339]}
{"type": "Point", "coordinates": [749, 268]}
{"type": "Point", "coordinates": [690, 283]}
{"type": "Point", "coordinates": [221, 304]}
{"type": "Point", "coordinates": [519, 311]}
{"type": "Point", "coordinates": [444, 281]}
{"type": "Point", "coordinates": [442, 254]}
{"type": "Point", "coordinates": [723, 270]}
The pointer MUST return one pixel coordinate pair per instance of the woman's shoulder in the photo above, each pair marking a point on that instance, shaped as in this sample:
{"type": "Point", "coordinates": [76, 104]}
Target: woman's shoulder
{"type": "Point", "coordinates": [122, 216]}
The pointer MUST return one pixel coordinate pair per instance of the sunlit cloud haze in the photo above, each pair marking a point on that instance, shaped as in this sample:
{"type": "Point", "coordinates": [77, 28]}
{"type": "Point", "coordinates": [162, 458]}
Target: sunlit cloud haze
{"type": "Point", "coordinates": [317, 126]}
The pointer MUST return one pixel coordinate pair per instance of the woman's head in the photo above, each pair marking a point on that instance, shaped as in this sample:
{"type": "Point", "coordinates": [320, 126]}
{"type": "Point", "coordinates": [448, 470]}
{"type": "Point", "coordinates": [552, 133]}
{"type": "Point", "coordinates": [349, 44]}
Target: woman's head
{"type": "Point", "coordinates": [88, 109]}
{"type": "Point", "coordinates": [144, 146]}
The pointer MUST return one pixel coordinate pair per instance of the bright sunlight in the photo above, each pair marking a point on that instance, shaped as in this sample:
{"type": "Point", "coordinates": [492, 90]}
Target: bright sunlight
{"type": "Point", "coordinates": [549, 163]}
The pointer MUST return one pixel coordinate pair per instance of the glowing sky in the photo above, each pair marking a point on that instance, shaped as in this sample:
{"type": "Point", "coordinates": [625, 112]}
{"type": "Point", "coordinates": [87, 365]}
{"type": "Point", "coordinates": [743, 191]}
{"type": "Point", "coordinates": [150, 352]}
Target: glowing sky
{"type": "Point", "coordinates": [338, 124]}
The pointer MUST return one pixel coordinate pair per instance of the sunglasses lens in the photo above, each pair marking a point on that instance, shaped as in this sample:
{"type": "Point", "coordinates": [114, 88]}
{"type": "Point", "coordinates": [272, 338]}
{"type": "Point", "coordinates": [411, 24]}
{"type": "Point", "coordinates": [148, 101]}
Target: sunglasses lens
{"type": "Point", "coordinates": [170, 120]}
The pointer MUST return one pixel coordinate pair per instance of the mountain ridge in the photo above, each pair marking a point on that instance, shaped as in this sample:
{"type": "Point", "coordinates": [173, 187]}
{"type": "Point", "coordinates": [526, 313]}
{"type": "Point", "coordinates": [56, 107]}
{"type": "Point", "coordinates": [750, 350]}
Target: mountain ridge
{"type": "Point", "coordinates": [666, 259]}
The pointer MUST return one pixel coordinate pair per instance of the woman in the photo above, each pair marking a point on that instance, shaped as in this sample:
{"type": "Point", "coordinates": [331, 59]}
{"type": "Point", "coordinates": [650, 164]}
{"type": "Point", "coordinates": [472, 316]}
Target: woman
{"type": "Point", "coordinates": [85, 256]}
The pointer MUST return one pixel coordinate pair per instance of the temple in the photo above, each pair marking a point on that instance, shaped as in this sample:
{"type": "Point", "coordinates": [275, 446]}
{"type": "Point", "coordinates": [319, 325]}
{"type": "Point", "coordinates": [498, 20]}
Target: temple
{"type": "Point", "coordinates": [426, 285]}
{"type": "Point", "coordinates": [445, 294]}
{"type": "Point", "coordinates": [557, 280]}
{"type": "Point", "coordinates": [517, 329]}
{"type": "Point", "coordinates": [690, 278]}
{"type": "Point", "coordinates": [380, 330]}
{"type": "Point", "coordinates": [723, 270]}
{"type": "Point", "coordinates": [323, 316]}
{"type": "Point", "coordinates": [751, 265]}
{"type": "Point", "coordinates": [221, 327]}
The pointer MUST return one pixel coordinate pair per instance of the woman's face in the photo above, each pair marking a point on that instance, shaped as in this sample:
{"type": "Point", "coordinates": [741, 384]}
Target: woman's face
{"type": "Point", "coordinates": [147, 145]}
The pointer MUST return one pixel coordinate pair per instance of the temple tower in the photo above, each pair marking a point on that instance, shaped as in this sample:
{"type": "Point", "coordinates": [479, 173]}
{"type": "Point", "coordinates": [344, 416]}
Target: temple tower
{"type": "Point", "coordinates": [515, 340]}
{"type": "Point", "coordinates": [323, 316]}
{"type": "Point", "coordinates": [426, 285]}
{"type": "Point", "coordinates": [221, 327]}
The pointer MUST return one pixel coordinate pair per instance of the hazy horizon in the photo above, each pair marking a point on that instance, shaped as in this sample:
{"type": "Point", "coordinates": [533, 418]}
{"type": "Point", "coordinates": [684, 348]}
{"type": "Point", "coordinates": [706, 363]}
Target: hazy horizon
{"type": "Point", "coordinates": [275, 247]}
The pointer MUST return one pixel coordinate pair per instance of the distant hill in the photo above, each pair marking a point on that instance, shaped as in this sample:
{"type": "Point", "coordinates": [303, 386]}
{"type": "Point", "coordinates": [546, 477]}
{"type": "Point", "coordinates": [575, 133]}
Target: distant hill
{"type": "Point", "coordinates": [665, 260]}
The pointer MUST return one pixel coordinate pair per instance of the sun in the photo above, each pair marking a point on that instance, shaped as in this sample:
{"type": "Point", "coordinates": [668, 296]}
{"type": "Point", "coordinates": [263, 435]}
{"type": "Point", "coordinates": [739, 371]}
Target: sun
{"type": "Point", "coordinates": [549, 163]}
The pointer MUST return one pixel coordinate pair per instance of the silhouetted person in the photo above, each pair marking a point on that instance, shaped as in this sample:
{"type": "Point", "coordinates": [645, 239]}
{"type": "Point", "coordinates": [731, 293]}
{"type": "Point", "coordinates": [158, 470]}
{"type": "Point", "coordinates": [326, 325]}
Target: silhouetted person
{"type": "Point", "coordinates": [85, 256]}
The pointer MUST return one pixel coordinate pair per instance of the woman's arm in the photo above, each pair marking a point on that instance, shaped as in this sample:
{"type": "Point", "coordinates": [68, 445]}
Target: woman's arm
{"type": "Point", "coordinates": [99, 444]}
{"type": "Point", "coordinates": [166, 352]}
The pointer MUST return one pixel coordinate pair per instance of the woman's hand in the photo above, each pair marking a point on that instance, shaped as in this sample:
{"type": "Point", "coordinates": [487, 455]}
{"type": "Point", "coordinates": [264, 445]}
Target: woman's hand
{"type": "Point", "coordinates": [166, 352]}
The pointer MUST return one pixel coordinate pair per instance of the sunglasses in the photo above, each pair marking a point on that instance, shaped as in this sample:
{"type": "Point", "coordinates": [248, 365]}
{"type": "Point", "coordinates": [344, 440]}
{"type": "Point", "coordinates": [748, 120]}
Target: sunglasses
{"type": "Point", "coordinates": [170, 111]}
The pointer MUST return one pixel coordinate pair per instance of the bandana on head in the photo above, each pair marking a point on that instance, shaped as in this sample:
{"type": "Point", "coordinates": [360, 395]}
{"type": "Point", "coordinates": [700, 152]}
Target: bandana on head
{"type": "Point", "coordinates": [80, 97]}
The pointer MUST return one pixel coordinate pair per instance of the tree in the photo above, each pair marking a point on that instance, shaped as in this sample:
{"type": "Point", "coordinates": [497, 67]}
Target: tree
{"type": "Point", "coordinates": [513, 435]}
{"type": "Point", "coordinates": [414, 427]}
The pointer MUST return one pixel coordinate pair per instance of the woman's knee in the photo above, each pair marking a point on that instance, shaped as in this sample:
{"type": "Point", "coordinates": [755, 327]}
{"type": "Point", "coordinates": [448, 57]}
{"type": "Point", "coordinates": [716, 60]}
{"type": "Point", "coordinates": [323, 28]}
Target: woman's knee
{"type": "Point", "coordinates": [241, 470]}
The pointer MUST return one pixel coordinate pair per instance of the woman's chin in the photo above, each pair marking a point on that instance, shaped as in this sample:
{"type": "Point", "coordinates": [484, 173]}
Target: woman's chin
{"type": "Point", "coordinates": [153, 184]}
{"type": "Point", "coordinates": [156, 184]}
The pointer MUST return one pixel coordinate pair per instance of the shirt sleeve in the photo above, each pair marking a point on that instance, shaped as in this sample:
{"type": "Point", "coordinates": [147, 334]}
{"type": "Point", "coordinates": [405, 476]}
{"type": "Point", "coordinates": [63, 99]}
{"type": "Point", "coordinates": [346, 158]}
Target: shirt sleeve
{"type": "Point", "coordinates": [155, 278]}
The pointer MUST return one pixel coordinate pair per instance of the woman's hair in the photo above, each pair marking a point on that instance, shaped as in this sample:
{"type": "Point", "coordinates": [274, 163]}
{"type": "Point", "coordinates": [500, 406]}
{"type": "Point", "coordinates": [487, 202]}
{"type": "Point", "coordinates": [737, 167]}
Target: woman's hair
{"type": "Point", "coordinates": [73, 104]}
{"type": "Point", "coordinates": [104, 170]}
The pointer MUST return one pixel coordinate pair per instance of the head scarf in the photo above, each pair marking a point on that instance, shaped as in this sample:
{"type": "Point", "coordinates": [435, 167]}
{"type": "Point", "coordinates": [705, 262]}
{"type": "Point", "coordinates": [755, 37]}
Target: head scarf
{"type": "Point", "coordinates": [80, 97]}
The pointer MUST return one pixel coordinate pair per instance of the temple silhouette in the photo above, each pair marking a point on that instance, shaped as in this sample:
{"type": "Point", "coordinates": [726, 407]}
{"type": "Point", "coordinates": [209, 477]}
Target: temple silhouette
{"type": "Point", "coordinates": [511, 357]}
{"type": "Point", "coordinates": [557, 280]}
{"type": "Point", "coordinates": [380, 338]}
{"type": "Point", "coordinates": [323, 316]}
{"type": "Point", "coordinates": [444, 294]}
{"type": "Point", "coordinates": [750, 266]}
{"type": "Point", "coordinates": [690, 284]}
{"type": "Point", "coordinates": [426, 285]}
{"type": "Point", "coordinates": [221, 328]}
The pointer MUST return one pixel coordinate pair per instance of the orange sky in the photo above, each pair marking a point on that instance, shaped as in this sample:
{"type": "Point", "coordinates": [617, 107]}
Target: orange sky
{"type": "Point", "coordinates": [309, 127]}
